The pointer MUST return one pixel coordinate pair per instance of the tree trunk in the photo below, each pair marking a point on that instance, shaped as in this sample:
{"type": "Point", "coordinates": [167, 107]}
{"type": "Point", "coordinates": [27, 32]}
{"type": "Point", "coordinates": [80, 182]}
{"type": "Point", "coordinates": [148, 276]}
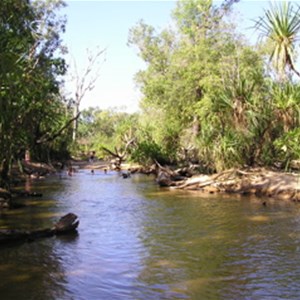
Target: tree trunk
{"type": "Point", "coordinates": [75, 123]}
{"type": "Point", "coordinates": [4, 178]}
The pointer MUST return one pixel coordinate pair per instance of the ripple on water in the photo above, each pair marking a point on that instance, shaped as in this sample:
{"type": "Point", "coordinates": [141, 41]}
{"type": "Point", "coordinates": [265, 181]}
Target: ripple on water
{"type": "Point", "coordinates": [136, 241]}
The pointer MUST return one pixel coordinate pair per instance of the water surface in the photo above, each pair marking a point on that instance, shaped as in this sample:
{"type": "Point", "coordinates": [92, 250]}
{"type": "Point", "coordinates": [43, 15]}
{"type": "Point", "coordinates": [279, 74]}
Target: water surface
{"type": "Point", "coordinates": [138, 241]}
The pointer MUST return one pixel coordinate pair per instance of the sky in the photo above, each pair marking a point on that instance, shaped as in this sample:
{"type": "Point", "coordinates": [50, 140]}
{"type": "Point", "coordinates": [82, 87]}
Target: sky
{"type": "Point", "coordinates": [105, 25]}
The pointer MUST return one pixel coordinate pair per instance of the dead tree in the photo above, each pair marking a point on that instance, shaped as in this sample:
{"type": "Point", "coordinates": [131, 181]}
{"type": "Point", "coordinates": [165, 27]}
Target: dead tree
{"type": "Point", "coordinates": [85, 82]}
{"type": "Point", "coordinates": [118, 154]}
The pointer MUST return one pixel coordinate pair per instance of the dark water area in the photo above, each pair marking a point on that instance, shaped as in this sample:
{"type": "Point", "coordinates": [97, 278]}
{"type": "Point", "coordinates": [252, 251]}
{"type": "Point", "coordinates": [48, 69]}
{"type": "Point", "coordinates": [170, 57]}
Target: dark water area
{"type": "Point", "coordinates": [138, 241]}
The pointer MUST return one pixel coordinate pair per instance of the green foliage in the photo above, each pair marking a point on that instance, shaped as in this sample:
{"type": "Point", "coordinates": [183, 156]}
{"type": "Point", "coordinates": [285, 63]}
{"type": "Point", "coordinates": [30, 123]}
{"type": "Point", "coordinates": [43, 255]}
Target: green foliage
{"type": "Point", "coordinates": [281, 25]}
{"type": "Point", "coordinates": [147, 152]}
{"type": "Point", "coordinates": [288, 146]}
{"type": "Point", "coordinates": [205, 80]}
{"type": "Point", "coordinates": [162, 129]}
{"type": "Point", "coordinates": [104, 128]}
{"type": "Point", "coordinates": [207, 91]}
{"type": "Point", "coordinates": [30, 70]}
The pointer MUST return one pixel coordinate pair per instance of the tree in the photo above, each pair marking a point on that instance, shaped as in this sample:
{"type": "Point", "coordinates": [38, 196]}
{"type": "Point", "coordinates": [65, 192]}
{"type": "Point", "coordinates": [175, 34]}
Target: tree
{"type": "Point", "coordinates": [30, 69]}
{"type": "Point", "coordinates": [281, 25]}
{"type": "Point", "coordinates": [85, 83]}
{"type": "Point", "coordinates": [185, 76]}
{"type": "Point", "coordinates": [211, 92]}
{"type": "Point", "coordinates": [106, 129]}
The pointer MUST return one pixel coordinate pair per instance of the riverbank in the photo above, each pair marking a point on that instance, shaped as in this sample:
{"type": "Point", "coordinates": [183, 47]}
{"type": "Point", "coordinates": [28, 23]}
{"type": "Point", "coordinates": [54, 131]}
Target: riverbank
{"type": "Point", "coordinates": [255, 181]}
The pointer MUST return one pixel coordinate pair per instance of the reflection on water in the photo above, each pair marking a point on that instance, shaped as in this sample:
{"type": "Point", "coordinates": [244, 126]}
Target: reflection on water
{"type": "Point", "coordinates": [137, 241]}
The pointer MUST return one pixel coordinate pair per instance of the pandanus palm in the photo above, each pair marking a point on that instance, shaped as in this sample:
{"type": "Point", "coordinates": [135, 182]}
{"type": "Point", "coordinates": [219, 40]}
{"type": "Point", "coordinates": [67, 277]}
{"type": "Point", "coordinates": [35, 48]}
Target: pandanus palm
{"type": "Point", "coordinates": [281, 25]}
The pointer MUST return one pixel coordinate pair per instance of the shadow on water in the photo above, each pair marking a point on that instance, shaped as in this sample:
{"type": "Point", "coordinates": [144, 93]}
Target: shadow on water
{"type": "Point", "coordinates": [137, 241]}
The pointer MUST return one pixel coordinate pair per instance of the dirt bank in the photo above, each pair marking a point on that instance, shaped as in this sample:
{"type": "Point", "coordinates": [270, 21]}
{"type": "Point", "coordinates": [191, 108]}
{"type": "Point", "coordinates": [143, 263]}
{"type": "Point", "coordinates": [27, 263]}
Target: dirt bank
{"type": "Point", "coordinates": [259, 181]}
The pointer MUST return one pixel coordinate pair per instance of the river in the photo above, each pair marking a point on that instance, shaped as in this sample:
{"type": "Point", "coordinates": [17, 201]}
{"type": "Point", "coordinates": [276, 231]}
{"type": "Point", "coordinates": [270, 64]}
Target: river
{"type": "Point", "coordinates": [138, 241]}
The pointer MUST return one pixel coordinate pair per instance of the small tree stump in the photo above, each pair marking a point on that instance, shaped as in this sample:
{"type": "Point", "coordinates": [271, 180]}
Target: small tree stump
{"type": "Point", "coordinates": [66, 223]}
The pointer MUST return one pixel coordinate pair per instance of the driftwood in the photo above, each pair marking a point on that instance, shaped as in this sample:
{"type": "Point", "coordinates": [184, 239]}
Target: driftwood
{"type": "Point", "coordinates": [259, 182]}
{"type": "Point", "coordinates": [167, 177]}
{"type": "Point", "coordinates": [201, 181]}
{"type": "Point", "coordinates": [66, 224]}
{"type": "Point", "coordinates": [25, 193]}
{"type": "Point", "coordinates": [118, 154]}
{"type": "Point", "coordinates": [37, 169]}
{"type": "Point", "coordinates": [164, 179]}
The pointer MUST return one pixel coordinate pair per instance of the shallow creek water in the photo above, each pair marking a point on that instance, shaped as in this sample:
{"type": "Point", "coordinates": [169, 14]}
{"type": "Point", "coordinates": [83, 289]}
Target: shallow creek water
{"type": "Point", "coordinates": [138, 241]}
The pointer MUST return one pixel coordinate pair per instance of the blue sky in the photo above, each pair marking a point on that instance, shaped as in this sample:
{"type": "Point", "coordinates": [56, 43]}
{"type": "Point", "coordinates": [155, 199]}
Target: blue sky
{"type": "Point", "coordinates": [106, 24]}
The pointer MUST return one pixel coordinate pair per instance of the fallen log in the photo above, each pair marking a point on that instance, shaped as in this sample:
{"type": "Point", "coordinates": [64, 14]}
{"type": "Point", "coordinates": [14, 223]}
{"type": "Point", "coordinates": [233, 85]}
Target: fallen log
{"type": "Point", "coordinates": [65, 225]}
{"type": "Point", "coordinates": [167, 177]}
{"type": "Point", "coordinates": [201, 181]}
{"type": "Point", "coordinates": [26, 193]}
{"type": "Point", "coordinates": [39, 169]}
{"type": "Point", "coordinates": [163, 179]}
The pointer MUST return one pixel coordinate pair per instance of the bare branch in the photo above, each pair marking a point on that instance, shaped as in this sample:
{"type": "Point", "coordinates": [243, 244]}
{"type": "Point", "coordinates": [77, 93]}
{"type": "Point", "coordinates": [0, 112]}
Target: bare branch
{"type": "Point", "coordinates": [86, 82]}
{"type": "Point", "coordinates": [110, 152]}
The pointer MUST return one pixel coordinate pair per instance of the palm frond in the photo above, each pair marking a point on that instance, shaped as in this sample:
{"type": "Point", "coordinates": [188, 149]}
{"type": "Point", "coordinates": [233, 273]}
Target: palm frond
{"type": "Point", "coordinates": [281, 25]}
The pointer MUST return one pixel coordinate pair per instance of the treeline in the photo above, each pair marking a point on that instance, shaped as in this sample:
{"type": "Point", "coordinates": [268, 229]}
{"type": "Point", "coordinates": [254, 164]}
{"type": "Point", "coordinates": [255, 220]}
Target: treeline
{"type": "Point", "coordinates": [209, 96]}
{"type": "Point", "coordinates": [34, 116]}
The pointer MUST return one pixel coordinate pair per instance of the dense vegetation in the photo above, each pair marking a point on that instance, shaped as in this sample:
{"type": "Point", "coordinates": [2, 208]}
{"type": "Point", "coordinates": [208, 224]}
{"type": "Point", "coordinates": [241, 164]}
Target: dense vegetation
{"type": "Point", "coordinates": [32, 112]}
{"type": "Point", "coordinates": [209, 96]}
